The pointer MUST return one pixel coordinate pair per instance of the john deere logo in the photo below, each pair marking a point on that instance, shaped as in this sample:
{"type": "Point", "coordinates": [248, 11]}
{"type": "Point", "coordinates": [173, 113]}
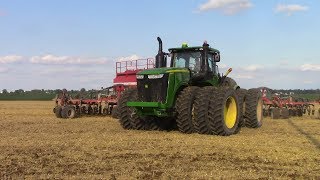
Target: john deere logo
{"type": "Point", "coordinates": [146, 86]}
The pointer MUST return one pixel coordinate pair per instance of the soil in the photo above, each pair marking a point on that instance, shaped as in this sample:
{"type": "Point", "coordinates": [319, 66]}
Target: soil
{"type": "Point", "coordinates": [34, 144]}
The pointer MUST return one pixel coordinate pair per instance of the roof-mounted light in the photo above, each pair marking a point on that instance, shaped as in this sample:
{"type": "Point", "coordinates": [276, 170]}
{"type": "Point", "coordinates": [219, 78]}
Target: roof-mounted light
{"type": "Point", "coordinates": [205, 43]}
{"type": "Point", "coordinates": [184, 45]}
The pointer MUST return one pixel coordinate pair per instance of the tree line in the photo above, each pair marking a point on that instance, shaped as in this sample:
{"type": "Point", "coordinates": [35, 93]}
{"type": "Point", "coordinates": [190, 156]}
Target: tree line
{"type": "Point", "coordinates": [45, 95]}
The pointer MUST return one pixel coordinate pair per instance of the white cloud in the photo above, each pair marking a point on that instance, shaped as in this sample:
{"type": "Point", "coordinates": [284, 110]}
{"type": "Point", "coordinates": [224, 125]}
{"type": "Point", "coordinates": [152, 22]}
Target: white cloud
{"type": "Point", "coordinates": [308, 82]}
{"type": "Point", "coordinates": [310, 67]}
{"type": "Point", "coordinates": [253, 67]}
{"type": "Point", "coordinates": [244, 76]}
{"type": "Point", "coordinates": [289, 9]}
{"type": "Point", "coordinates": [222, 66]}
{"type": "Point", "coordinates": [129, 58]}
{"type": "Point", "coordinates": [10, 59]}
{"type": "Point", "coordinates": [52, 59]}
{"type": "Point", "coordinates": [229, 7]}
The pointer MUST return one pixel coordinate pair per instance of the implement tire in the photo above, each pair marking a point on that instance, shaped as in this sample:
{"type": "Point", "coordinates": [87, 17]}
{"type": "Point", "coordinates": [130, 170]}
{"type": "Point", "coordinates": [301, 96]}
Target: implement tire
{"type": "Point", "coordinates": [115, 112]}
{"type": "Point", "coordinates": [68, 112]}
{"type": "Point", "coordinates": [292, 112]}
{"type": "Point", "coordinates": [254, 109]}
{"type": "Point", "coordinates": [224, 112]}
{"type": "Point", "coordinates": [285, 113]}
{"type": "Point", "coordinates": [185, 109]}
{"type": "Point", "coordinates": [57, 111]}
{"type": "Point", "coordinates": [299, 112]}
{"type": "Point", "coordinates": [275, 113]}
{"type": "Point", "coordinates": [201, 110]}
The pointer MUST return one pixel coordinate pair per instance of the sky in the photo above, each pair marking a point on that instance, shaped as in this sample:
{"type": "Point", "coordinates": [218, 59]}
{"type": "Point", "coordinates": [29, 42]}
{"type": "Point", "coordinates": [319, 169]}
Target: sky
{"type": "Point", "coordinates": [75, 43]}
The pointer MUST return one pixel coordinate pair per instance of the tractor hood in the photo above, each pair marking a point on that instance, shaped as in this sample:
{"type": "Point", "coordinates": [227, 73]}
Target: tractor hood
{"type": "Point", "coordinates": [162, 71]}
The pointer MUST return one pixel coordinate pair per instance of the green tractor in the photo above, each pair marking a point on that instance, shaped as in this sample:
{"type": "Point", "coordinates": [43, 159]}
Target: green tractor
{"type": "Point", "coordinates": [190, 96]}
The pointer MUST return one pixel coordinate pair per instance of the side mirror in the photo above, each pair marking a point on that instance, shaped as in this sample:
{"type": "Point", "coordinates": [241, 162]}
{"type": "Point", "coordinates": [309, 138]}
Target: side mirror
{"type": "Point", "coordinates": [216, 57]}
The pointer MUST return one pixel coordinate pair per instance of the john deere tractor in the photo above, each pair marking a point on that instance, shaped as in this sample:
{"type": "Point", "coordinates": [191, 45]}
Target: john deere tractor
{"type": "Point", "coordinates": [190, 95]}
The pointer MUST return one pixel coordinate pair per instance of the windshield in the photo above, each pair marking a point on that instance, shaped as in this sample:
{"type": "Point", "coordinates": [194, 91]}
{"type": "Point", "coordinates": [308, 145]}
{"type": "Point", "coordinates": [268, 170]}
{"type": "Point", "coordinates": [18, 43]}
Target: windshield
{"type": "Point", "coordinates": [189, 60]}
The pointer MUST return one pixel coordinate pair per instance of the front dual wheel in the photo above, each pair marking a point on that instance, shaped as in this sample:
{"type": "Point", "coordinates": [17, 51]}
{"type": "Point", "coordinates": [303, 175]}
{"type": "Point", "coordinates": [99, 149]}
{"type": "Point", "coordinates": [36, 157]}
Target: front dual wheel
{"type": "Point", "coordinates": [128, 117]}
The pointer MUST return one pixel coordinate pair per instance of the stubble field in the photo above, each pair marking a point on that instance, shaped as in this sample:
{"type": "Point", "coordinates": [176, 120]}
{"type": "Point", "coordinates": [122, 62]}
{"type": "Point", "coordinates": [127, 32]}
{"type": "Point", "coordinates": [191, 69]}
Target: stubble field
{"type": "Point", "coordinates": [34, 144]}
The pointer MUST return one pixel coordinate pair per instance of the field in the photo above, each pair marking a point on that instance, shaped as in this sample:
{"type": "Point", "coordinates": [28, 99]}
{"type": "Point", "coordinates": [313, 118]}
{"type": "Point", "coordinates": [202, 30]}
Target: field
{"type": "Point", "coordinates": [34, 144]}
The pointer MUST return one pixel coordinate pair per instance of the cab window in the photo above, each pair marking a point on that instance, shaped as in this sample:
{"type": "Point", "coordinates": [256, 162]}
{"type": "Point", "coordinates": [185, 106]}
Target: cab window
{"type": "Point", "coordinates": [210, 63]}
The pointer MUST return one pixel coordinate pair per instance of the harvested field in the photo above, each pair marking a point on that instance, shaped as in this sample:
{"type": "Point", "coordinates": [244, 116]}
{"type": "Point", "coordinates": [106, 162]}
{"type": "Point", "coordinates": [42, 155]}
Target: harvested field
{"type": "Point", "coordinates": [34, 144]}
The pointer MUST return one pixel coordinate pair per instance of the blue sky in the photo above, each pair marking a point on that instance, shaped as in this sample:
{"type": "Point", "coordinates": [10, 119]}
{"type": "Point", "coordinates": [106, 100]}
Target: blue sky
{"type": "Point", "coordinates": [75, 43]}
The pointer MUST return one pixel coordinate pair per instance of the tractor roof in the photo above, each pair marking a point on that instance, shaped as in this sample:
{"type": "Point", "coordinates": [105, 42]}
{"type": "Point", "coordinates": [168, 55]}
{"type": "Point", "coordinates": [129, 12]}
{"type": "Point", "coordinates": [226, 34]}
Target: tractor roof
{"type": "Point", "coordinates": [195, 48]}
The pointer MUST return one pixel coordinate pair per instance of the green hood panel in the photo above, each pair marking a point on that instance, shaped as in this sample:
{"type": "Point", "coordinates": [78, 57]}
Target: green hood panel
{"type": "Point", "coordinates": [162, 71]}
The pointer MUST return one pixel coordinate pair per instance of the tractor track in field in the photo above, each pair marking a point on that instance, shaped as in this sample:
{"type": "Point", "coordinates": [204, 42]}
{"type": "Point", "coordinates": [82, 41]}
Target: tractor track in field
{"type": "Point", "coordinates": [313, 140]}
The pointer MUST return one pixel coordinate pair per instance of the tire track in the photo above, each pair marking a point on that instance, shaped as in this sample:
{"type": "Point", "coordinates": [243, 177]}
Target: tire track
{"type": "Point", "coordinates": [313, 140]}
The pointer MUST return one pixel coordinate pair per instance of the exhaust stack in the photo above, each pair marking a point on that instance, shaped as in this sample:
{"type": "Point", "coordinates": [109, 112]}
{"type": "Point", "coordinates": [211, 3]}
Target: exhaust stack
{"type": "Point", "coordinates": [161, 60]}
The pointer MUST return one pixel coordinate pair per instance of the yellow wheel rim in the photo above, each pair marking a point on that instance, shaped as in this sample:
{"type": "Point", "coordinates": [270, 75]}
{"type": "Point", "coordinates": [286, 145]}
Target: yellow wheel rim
{"type": "Point", "coordinates": [259, 110]}
{"type": "Point", "coordinates": [230, 112]}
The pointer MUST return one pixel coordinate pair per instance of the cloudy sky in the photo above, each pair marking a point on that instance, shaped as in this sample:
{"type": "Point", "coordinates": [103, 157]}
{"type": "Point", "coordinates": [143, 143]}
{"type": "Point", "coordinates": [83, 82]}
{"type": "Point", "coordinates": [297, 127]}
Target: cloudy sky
{"type": "Point", "coordinates": [75, 43]}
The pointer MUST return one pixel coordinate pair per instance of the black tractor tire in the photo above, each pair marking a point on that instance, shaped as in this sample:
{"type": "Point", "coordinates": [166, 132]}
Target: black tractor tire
{"type": "Point", "coordinates": [125, 111]}
{"type": "Point", "coordinates": [201, 110]}
{"type": "Point", "coordinates": [265, 112]}
{"type": "Point", "coordinates": [229, 82]}
{"type": "Point", "coordinates": [57, 111]}
{"type": "Point", "coordinates": [253, 109]}
{"type": "Point", "coordinates": [275, 113]}
{"type": "Point", "coordinates": [129, 119]}
{"type": "Point", "coordinates": [68, 112]}
{"type": "Point", "coordinates": [241, 99]}
{"type": "Point", "coordinates": [285, 113]}
{"type": "Point", "coordinates": [141, 123]}
{"type": "Point", "coordinates": [185, 109]}
{"type": "Point", "coordinates": [224, 113]}
{"type": "Point", "coordinates": [104, 111]}
{"type": "Point", "coordinates": [78, 111]}
{"type": "Point", "coordinates": [157, 124]}
{"type": "Point", "coordinates": [83, 109]}
{"type": "Point", "coordinates": [291, 112]}
{"type": "Point", "coordinates": [299, 112]}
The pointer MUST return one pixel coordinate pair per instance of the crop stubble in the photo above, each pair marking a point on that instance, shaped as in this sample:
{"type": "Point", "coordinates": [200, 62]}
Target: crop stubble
{"type": "Point", "coordinates": [35, 144]}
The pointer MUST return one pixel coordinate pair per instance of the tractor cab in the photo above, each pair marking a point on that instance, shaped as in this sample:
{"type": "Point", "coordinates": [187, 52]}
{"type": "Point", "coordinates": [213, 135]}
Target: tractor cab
{"type": "Point", "coordinates": [200, 61]}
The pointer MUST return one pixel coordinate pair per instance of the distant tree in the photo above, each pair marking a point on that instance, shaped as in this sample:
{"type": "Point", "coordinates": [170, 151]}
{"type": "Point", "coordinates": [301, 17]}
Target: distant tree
{"type": "Point", "coordinates": [19, 91]}
{"type": "Point", "coordinates": [57, 91]}
{"type": "Point", "coordinates": [36, 91]}
{"type": "Point", "coordinates": [5, 91]}
{"type": "Point", "coordinates": [82, 90]}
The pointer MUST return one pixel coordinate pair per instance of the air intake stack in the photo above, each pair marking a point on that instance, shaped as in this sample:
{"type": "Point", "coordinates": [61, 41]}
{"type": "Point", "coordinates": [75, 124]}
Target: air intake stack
{"type": "Point", "coordinates": [161, 59]}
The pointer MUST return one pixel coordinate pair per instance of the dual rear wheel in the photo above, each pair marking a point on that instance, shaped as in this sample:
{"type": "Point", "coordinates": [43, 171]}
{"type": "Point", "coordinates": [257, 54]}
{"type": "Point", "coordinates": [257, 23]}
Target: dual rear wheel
{"type": "Point", "coordinates": [218, 111]}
